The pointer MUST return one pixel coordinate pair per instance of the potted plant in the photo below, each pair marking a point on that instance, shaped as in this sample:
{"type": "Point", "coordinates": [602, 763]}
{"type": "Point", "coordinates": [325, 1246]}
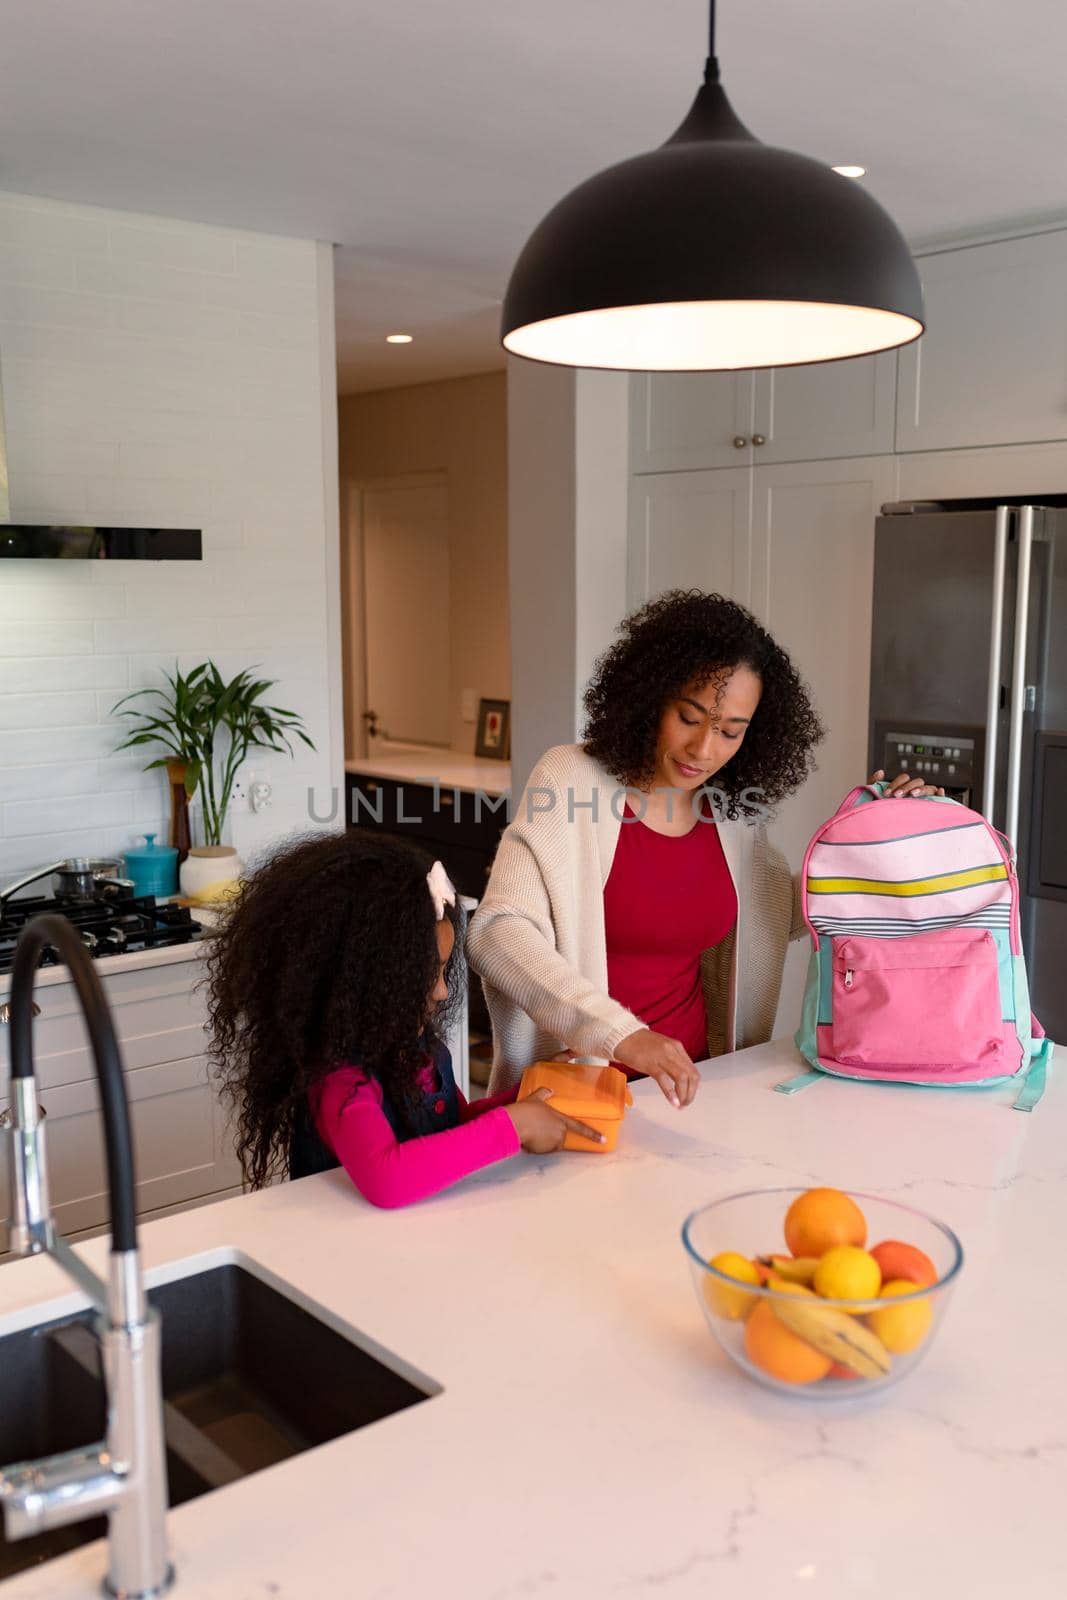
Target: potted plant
{"type": "Point", "coordinates": [208, 726]}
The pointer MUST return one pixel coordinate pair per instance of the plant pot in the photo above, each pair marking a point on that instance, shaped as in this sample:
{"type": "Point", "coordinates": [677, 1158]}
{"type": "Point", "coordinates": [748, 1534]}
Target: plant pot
{"type": "Point", "coordinates": [180, 836]}
{"type": "Point", "coordinates": [211, 874]}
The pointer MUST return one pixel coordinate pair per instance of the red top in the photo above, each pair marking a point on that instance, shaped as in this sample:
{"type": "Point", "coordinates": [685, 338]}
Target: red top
{"type": "Point", "coordinates": [665, 902]}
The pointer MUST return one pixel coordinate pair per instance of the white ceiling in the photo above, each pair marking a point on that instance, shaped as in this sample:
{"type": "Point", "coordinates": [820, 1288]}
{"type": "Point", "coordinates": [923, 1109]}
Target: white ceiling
{"type": "Point", "coordinates": [427, 137]}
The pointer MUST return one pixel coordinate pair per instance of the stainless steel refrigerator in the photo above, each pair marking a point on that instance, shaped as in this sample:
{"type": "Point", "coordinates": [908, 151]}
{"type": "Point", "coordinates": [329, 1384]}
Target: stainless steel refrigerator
{"type": "Point", "coordinates": [969, 689]}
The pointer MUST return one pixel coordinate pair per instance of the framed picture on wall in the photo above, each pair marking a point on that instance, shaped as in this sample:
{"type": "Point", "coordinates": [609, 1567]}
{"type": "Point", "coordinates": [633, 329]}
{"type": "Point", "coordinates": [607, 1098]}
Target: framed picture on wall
{"type": "Point", "coordinates": [494, 730]}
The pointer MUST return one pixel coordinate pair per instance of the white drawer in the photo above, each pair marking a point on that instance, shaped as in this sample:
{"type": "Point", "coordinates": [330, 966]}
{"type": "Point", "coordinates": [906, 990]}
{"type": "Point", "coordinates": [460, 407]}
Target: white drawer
{"type": "Point", "coordinates": [158, 1014]}
{"type": "Point", "coordinates": [182, 1147]}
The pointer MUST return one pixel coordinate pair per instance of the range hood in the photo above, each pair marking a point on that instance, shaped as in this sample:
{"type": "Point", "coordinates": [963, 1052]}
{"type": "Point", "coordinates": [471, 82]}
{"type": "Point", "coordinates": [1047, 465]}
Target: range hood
{"type": "Point", "coordinates": [42, 541]}
{"type": "Point", "coordinates": [21, 541]}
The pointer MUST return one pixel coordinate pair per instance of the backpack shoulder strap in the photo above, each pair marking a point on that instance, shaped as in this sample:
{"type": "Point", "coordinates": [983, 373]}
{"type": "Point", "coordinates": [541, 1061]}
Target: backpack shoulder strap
{"type": "Point", "coordinates": [860, 796]}
{"type": "Point", "coordinates": [1033, 1084]}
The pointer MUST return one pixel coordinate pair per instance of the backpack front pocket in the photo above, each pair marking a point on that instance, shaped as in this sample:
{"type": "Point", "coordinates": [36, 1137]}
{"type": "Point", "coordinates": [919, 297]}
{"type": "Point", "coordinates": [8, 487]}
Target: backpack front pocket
{"type": "Point", "coordinates": [929, 1002]}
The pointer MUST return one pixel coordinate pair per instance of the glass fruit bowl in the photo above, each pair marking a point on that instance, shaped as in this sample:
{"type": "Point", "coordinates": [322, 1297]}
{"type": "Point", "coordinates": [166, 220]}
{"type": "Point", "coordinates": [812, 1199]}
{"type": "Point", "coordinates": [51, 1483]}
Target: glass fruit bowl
{"type": "Point", "coordinates": [778, 1310]}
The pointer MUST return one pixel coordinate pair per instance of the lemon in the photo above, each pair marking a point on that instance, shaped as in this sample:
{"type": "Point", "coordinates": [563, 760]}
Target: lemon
{"type": "Point", "coordinates": [733, 1304]}
{"type": "Point", "coordinates": [901, 1328]}
{"type": "Point", "coordinates": [848, 1273]}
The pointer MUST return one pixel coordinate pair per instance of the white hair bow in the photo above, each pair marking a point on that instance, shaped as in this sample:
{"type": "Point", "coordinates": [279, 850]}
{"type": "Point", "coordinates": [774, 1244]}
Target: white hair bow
{"type": "Point", "coordinates": [441, 889]}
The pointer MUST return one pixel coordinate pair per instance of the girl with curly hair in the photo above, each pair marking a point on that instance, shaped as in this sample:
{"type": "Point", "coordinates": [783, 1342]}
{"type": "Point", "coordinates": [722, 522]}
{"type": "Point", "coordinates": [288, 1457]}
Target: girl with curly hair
{"type": "Point", "coordinates": [636, 910]}
{"type": "Point", "coordinates": [330, 986]}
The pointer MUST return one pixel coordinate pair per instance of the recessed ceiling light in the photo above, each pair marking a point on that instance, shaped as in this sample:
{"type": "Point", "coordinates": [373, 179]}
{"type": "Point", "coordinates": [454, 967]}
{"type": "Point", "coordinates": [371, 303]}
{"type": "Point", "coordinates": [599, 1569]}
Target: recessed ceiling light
{"type": "Point", "coordinates": [399, 338]}
{"type": "Point", "coordinates": [851, 172]}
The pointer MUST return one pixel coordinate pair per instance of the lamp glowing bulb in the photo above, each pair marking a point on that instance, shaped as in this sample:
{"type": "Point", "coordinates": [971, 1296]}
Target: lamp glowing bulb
{"type": "Point", "coordinates": [399, 338]}
{"type": "Point", "coordinates": [851, 172]}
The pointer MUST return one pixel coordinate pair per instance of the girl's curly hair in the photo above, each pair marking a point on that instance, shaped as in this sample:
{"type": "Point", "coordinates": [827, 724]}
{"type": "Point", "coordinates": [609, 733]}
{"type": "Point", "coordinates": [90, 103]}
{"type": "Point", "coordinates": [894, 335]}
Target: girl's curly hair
{"type": "Point", "coordinates": [328, 955]}
{"type": "Point", "coordinates": [686, 638]}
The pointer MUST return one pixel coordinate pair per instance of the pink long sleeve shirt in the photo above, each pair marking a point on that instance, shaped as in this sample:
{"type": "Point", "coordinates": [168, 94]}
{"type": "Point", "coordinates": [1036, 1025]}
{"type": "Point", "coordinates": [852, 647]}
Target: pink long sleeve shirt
{"type": "Point", "coordinates": [348, 1111]}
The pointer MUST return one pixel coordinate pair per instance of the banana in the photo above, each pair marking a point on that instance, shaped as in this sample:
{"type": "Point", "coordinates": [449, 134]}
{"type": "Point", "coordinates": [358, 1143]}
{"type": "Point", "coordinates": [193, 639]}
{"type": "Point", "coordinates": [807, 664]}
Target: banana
{"type": "Point", "coordinates": [841, 1337]}
{"type": "Point", "coordinates": [794, 1269]}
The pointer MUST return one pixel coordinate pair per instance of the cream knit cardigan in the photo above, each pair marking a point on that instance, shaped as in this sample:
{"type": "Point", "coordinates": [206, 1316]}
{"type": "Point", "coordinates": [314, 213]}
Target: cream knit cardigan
{"type": "Point", "coordinates": [537, 940]}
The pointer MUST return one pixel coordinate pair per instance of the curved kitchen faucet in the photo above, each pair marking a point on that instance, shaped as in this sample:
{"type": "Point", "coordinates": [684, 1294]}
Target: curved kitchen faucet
{"type": "Point", "coordinates": [124, 1476]}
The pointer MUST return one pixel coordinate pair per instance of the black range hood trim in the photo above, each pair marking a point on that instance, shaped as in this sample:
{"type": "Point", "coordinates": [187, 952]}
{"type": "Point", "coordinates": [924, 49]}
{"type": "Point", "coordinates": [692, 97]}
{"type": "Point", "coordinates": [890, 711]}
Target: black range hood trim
{"type": "Point", "coordinates": [23, 541]}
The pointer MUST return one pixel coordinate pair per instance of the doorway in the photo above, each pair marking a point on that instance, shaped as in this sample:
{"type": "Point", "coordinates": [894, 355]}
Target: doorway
{"type": "Point", "coordinates": [398, 599]}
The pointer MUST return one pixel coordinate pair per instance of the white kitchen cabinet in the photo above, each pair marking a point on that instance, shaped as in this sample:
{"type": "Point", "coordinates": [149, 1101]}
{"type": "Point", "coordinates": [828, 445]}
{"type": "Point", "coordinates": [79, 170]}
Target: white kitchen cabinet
{"type": "Point", "coordinates": [992, 367]}
{"type": "Point", "coordinates": [689, 530]}
{"type": "Point", "coordinates": [690, 419]}
{"type": "Point", "coordinates": [183, 1147]}
{"type": "Point", "coordinates": [812, 577]}
{"type": "Point", "coordinates": [1011, 469]}
{"type": "Point", "coordinates": [683, 421]}
{"type": "Point", "coordinates": [796, 544]}
{"type": "Point", "coordinates": [826, 411]}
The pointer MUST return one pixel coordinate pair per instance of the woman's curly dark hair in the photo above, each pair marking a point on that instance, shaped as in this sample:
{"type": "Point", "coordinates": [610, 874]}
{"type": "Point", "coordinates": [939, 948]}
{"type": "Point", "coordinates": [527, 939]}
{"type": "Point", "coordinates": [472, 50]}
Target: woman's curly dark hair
{"type": "Point", "coordinates": [684, 638]}
{"type": "Point", "coordinates": [328, 955]}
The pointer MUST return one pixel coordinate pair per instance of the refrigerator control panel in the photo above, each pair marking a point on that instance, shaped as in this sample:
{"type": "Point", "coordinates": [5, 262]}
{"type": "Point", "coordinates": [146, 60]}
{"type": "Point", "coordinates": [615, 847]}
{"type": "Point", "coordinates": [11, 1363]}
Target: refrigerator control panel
{"type": "Point", "coordinates": [940, 757]}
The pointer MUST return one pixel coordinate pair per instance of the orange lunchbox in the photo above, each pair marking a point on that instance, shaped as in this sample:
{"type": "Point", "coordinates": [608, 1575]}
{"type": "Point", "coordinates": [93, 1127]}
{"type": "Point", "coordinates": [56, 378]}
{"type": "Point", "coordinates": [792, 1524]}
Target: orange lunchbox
{"type": "Point", "coordinates": [596, 1095]}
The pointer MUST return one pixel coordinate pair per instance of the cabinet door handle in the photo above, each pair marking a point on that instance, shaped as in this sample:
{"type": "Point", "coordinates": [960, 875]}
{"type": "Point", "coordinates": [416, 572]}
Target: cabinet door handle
{"type": "Point", "coordinates": [5, 1011]}
{"type": "Point", "coordinates": [739, 441]}
{"type": "Point", "coordinates": [446, 798]}
{"type": "Point", "coordinates": [371, 788]}
{"type": "Point", "coordinates": [758, 439]}
{"type": "Point", "coordinates": [7, 1116]}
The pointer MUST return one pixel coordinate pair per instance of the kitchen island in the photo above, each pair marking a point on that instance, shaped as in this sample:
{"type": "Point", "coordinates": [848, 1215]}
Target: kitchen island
{"type": "Point", "coordinates": [590, 1439]}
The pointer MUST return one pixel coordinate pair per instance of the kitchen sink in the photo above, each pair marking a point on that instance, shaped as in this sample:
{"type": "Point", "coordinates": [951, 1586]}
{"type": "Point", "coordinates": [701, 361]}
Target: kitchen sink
{"type": "Point", "coordinates": [250, 1378]}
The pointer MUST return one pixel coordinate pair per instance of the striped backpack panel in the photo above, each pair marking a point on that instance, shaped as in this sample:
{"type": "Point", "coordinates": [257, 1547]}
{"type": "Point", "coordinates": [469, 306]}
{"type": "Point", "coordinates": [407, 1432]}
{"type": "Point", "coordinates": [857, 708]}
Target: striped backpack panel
{"type": "Point", "coordinates": [917, 973]}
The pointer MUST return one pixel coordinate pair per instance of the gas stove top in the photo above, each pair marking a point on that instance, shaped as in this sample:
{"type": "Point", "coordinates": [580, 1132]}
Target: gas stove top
{"type": "Point", "coordinates": [109, 927]}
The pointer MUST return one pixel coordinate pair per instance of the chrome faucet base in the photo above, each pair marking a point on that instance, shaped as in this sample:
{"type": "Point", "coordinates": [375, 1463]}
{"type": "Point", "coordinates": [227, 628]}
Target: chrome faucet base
{"type": "Point", "coordinates": [138, 1594]}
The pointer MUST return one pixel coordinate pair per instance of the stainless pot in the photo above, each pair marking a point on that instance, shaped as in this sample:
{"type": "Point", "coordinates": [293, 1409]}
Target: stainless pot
{"type": "Point", "coordinates": [76, 879]}
{"type": "Point", "coordinates": [79, 879]}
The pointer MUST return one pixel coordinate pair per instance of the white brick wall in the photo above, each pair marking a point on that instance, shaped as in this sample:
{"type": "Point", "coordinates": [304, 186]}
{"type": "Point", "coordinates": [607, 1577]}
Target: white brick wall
{"type": "Point", "coordinates": [173, 375]}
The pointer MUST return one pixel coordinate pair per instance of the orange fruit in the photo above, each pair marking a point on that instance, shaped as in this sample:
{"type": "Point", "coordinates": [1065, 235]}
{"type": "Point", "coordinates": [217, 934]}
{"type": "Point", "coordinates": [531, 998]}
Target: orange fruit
{"type": "Point", "coordinates": [822, 1218]}
{"type": "Point", "coordinates": [839, 1370]}
{"type": "Point", "coordinates": [904, 1262]}
{"type": "Point", "coordinates": [901, 1328]}
{"type": "Point", "coordinates": [724, 1300]}
{"type": "Point", "coordinates": [775, 1349]}
{"type": "Point", "coordinates": [845, 1273]}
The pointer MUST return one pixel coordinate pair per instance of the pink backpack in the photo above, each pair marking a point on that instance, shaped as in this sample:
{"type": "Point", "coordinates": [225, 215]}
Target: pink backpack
{"type": "Point", "coordinates": [917, 973]}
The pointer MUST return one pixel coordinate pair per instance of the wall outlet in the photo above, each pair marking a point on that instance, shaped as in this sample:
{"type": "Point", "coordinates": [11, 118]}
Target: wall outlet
{"type": "Point", "coordinates": [468, 705]}
{"type": "Point", "coordinates": [262, 796]}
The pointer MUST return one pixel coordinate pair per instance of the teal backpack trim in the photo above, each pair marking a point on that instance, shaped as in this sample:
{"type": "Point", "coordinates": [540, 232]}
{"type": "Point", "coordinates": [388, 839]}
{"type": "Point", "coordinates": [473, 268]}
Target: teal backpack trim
{"type": "Point", "coordinates": [1033, 1085]}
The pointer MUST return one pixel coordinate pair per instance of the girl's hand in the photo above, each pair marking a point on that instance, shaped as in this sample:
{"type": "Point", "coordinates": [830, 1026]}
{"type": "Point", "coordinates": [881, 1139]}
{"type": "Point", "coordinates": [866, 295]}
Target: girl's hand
{"type": "Point", "coordinates": [542, 1130]}
{"type": "Point", "coordinates": [906, 787]}
{"type": "Point", "coordinates": [661, 1058]}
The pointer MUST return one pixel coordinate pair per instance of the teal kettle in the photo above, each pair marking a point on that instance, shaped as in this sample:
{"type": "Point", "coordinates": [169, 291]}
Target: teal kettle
{"type": "Point", "coordinates": [153, 869]}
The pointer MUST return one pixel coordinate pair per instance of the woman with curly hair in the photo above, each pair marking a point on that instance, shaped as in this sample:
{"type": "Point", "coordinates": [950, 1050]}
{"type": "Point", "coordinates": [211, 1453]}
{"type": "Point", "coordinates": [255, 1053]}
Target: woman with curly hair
{"type": "Point", "coordinates": [636, 910]}
{"type": "Point", "coordinates": [329, 988]}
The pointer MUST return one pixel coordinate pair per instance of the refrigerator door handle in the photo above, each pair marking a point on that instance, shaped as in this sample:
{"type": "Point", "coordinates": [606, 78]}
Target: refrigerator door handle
{"type": "Point", "coordinates": [1017, 700]}
{"type": "Point", "coordinates": [992, 714]}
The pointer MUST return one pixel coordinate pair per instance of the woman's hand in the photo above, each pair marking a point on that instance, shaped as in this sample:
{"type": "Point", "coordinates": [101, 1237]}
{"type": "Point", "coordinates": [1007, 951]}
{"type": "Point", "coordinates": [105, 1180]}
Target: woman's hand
{"type": "Point", "coordinates": [905, 787]}
{"type": "Point", "coordinates": [663, 1059]}
{"type": "Point", "coordinates": [542, 1130]}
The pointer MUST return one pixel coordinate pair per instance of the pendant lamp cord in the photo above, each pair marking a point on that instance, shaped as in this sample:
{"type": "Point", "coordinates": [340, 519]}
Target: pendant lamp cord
{"type": "Point", "coordinates": [711, 66]}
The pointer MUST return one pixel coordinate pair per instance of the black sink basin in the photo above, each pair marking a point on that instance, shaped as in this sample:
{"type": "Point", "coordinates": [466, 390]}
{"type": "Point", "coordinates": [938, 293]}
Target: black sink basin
{"type": "Point", "coordinates": [250, 1378]}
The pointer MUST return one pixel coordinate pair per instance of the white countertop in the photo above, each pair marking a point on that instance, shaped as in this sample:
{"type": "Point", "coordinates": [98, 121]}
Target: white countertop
{"type": "Point", "coordinates": [590, 1440]}
{"type": "Point", "coordinates": [108, 966]}
{"type": "Point", "coordinates": [449, 768]}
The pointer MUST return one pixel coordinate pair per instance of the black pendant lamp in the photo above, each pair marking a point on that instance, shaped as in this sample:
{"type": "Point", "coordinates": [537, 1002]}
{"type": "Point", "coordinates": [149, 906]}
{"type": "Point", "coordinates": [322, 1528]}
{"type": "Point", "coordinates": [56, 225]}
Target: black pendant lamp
{"type": "Point", "coordinates": [714, 251]}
